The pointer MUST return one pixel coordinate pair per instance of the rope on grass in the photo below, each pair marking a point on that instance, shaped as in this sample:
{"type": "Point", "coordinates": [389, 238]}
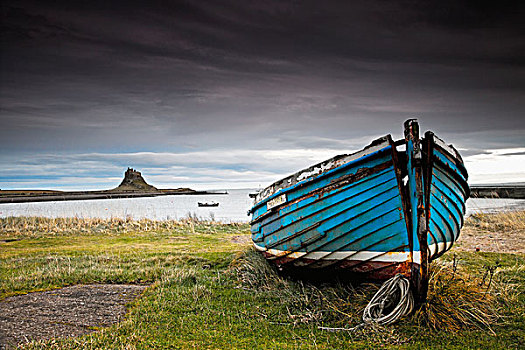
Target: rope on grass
{"type": "Point", "coordinates": [394, 291]}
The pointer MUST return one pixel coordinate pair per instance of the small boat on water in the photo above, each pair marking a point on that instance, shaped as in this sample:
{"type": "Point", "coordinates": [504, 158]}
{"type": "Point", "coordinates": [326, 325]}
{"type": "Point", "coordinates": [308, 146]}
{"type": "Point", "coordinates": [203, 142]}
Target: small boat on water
{"type": "Point", "coordinates": [388, 209]}
{"type": "Point", "coordinates": [212, 204]}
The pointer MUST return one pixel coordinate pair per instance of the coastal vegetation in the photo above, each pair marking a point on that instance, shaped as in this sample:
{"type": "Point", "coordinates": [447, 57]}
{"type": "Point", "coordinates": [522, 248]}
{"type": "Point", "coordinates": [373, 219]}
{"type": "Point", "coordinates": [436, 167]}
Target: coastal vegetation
{"type": "Point", "coordinates": [207, 288]}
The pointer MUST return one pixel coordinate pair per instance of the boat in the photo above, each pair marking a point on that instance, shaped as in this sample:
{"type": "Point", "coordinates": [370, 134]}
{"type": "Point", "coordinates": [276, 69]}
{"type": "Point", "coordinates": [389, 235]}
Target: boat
{"type": "Point", "coordinates": [212, 204]}
{"type": "Point", "coordinates": [388, 209]}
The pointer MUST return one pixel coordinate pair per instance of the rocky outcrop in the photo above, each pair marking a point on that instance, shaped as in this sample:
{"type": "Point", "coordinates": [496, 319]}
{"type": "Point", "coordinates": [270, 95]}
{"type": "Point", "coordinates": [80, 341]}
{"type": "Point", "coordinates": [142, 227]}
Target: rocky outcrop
{"type": "Point", "coordinates": [133, 181]}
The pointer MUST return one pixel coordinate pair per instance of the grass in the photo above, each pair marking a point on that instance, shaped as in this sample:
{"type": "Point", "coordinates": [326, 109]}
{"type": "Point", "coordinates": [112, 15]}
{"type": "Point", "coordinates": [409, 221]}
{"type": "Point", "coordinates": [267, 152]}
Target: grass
{"type": "Point", "coordinates": [508, 222]}
{"type": "Point", "coordinates": [208, 291]}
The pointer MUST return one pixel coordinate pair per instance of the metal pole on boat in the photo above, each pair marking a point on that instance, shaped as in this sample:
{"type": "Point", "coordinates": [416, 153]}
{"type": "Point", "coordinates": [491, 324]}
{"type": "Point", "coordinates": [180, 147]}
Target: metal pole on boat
{"type": "Point", "coordinates": [419, 251]}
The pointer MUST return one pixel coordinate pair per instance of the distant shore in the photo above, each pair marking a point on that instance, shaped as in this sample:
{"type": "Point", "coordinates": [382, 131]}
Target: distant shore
{"type": "Point", "coordinates": [27, 196]}
{"type": "Point", "coordinates": [499, 191]}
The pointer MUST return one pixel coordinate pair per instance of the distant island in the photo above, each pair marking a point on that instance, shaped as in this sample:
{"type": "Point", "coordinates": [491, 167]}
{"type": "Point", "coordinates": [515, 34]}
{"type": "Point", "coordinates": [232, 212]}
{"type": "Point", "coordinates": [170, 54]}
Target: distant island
{"type": "Point", "coordinates": [133, 185]}
{"type": "Point", "coordinates": [134, 182]}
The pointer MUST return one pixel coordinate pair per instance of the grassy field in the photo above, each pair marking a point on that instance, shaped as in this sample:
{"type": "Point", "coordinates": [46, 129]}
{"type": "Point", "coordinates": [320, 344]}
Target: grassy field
{"type": "Point", "coordinates": [209, 289]}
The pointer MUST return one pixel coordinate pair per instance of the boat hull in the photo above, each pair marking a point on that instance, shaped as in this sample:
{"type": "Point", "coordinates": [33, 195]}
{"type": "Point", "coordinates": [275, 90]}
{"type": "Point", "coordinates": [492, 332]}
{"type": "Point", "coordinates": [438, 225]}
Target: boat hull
{"type": "Point", "coordinates": [376, 213]}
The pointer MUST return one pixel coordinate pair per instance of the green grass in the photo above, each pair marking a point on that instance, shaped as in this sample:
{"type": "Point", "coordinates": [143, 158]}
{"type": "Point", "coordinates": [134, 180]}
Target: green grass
{"type": "Point", "coordinates": [206, 291]}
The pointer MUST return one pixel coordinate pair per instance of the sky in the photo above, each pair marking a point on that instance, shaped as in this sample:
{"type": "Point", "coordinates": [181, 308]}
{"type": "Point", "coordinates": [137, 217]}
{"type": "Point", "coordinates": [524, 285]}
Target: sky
{"type": "Point", "coordinates": [238, 94]}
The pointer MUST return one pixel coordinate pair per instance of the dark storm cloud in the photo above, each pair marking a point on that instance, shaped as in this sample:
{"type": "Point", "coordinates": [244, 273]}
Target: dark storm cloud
{"type": "Point", "coordinates": [176, 76]}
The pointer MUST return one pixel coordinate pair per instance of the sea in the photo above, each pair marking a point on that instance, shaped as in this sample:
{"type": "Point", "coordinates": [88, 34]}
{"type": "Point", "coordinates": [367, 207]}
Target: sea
{"type": "Point", "coordinates": [233, 207]}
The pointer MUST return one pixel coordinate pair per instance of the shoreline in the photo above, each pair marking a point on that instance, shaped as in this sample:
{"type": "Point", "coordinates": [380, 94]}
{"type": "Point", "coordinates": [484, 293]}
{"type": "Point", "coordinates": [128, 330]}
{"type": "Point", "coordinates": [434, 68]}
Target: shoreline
{"type": "Point", "coordinates": [89, 195]}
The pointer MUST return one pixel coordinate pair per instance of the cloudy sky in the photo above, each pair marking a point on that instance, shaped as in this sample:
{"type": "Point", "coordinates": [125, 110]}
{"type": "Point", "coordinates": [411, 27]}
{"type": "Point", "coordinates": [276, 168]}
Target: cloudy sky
{"type": "Point", "coordinates": [236, 94]}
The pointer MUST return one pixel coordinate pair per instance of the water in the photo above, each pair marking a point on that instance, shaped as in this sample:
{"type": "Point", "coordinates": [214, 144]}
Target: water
{"type": "Point", "coordinates": [232, 207]}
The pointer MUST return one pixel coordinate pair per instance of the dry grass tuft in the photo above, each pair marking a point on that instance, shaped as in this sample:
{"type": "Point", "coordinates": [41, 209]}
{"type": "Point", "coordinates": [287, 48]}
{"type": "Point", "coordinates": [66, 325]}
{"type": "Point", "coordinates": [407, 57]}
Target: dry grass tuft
{"type": "Point", "coordinates": [457, 300]}
{"type": "Point", "coordinates": [505, 221]}
{"type": "Point", "coordinates": [254, 272]}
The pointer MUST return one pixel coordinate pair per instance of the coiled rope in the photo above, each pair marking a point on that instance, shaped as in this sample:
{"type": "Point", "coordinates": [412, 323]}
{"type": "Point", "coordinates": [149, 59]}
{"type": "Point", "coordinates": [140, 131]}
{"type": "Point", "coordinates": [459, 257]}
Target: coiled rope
{"type": "Point", "coordinates": [394, 290]}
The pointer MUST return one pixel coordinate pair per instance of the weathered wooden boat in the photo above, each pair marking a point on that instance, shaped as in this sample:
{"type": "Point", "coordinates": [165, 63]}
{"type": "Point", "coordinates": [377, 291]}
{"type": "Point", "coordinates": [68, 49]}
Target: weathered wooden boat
{"type": "Point", "coordinates": [390, 208]}
{"type": "Point", "coordinates": [206, 204]}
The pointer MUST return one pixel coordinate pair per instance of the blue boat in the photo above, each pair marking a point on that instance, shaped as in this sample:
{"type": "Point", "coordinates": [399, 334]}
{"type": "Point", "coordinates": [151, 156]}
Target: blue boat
{"type": "Point", "coordinates": [390, 208]}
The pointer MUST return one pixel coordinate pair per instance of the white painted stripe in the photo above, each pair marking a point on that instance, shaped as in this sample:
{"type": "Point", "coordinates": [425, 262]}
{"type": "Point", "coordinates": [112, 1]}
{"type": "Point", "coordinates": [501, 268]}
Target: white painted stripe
{"type": "Point", "coordinates": [432, 248]}
{"type": "Point", "coordinates": [347, 255]}
{"type": "Point", "coordinates": [439, 247]}
{"type": "Point", "coordinates": [259, 248]}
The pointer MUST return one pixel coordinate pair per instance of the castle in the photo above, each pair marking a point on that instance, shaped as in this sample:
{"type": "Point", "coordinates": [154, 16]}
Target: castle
{"type": "Point", "coordinates": [132, 174]}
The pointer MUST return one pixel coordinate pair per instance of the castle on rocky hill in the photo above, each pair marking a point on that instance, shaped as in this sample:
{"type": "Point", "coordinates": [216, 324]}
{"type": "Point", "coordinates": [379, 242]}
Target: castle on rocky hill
{"type": "Point", "coordinates": [133, 181]}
